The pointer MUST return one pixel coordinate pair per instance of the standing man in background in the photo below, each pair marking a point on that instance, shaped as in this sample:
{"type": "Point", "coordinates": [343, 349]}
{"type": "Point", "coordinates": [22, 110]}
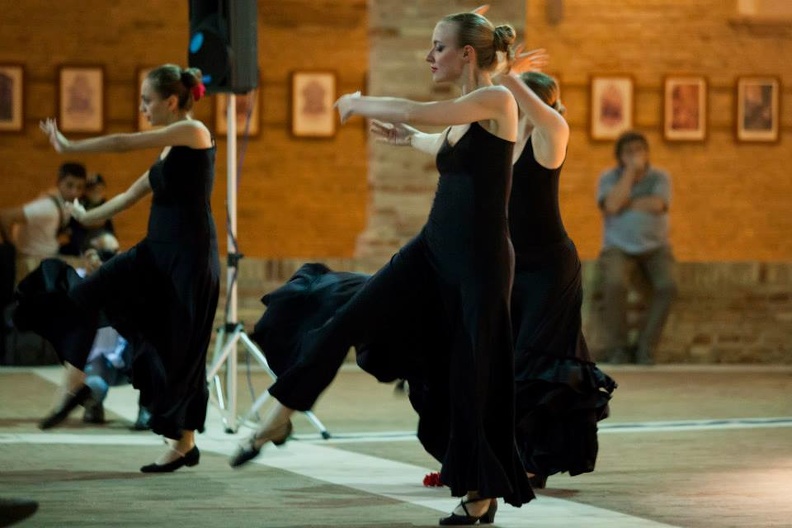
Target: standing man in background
{"type": "Point", "coordinates": [634, 199]}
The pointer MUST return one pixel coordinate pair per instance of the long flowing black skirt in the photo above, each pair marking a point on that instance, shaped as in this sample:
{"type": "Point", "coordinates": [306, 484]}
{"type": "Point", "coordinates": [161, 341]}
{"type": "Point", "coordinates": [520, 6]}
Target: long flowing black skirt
{"type": "Point", "coordinates": [407, 322]}
{"type": "Point", "coordinates": [561, 394]}
{"type": "Point", "coordinates": [161, 297]}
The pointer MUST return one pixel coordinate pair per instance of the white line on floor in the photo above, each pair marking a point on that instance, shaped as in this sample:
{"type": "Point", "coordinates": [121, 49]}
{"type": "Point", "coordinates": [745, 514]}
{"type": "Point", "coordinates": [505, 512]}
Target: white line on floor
{"type": "Point", "coordinates": [318, 460]}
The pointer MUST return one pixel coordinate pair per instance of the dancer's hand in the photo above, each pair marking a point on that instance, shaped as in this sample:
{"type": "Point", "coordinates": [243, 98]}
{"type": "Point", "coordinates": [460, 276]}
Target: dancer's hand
{"type": "Point", "coordinates": [344, 105]}
{"type": "Point", "coordinates": [525, 61]}
{"type": "Point", "coordinates": [481, 10]}
{"type": "Point", "coordinates": [50, 127]}
{"type": "Point", "coordinates": [76, 210]}
{"type": "Point", "coordinates": [392, 133]}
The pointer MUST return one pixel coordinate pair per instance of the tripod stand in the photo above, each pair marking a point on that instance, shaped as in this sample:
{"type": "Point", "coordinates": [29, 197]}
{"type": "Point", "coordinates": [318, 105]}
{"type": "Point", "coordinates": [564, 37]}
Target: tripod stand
{"type": "Point", "coordinates": [232, 331]}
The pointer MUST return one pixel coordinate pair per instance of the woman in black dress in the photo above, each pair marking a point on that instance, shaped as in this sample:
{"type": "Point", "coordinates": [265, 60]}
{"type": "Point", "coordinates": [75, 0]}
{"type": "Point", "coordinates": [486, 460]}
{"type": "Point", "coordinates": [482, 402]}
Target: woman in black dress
{"type": "Point", "coordinates": [455, 273]}
{"type": "Point", "coordinates": [561, 394]}
{"type": "Point", "coordinates": [162, 293]}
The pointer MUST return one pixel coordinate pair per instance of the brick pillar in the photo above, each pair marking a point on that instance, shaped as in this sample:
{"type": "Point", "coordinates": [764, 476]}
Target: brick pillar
{"type": "Point", "coordinates": [402, 181]}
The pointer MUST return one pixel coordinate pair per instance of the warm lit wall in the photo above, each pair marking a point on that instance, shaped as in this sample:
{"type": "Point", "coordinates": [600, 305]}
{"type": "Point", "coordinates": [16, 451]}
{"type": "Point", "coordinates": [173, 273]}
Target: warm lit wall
{"type": "Point", "coordinates": [731, 201]}
{"type": "Point", "coordinates": [297, 197]}
{"type": "Point", "coordinates": [307, 198]}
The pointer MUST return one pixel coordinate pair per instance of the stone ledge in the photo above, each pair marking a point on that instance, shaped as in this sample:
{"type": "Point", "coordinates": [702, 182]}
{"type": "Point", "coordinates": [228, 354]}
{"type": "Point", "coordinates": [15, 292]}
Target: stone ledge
{"type": "Point", "coordinates": [726, 312]}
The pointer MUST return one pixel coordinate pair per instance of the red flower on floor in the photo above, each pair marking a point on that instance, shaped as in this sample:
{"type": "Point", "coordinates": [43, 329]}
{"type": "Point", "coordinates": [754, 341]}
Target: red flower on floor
{"type": "Point", "coordinates": [432, 480]}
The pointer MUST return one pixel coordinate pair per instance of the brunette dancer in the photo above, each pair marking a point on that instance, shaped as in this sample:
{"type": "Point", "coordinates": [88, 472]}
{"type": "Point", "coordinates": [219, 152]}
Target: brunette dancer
{"type": "Point", "coordinates": [161, 295]}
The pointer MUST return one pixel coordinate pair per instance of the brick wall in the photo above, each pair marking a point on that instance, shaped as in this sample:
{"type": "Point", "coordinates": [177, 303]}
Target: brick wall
{"type": "Point", "coordinates": [333, 199]}
{"type": "Point", "coordinates": [731, 200]}
{"type": "Point", "coordinates": [309, 198]}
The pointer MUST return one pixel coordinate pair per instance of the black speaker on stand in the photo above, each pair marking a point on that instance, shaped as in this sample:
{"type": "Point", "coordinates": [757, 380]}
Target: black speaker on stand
{"type": "Point", "coordinates": [224, 46]}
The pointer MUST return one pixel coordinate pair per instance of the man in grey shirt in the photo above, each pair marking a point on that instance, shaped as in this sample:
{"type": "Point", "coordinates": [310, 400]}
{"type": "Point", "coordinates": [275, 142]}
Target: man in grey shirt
{"type": "Point", "coordinates": [634, 199]}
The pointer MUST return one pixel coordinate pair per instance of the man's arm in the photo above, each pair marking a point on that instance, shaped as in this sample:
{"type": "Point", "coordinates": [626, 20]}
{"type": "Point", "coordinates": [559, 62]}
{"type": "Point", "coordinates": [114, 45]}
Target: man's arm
{"type": "Point", "coordinates": [657, 202]}
{"type": "Point", "coordinates": [618, 197]}
{"type": "Point", "coordinates": [649, 204]}
{"type": "Point", "coordinates": [9, 217]}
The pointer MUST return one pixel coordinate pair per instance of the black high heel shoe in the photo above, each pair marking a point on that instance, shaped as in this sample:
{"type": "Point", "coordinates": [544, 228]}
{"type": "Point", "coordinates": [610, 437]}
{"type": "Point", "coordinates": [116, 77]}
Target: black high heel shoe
{"type": "Point", "coordinates": [189, 459]}
{"type": "Point", "coordinates": [488, 517]}
{"type": "Point", "coordinates": [252, 447]}
{"type": "Point", "coordinates": [71, 403]}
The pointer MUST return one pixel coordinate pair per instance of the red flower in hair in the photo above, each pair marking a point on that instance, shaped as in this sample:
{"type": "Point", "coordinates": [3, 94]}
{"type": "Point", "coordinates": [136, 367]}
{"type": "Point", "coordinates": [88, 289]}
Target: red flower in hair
{"type": "Point", "coordinates": [432, 480]}
{"type": "Point", "coordinates": [198, 91]}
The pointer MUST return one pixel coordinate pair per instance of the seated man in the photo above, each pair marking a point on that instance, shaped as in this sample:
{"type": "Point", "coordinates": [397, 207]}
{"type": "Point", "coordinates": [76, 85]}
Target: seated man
{"type": "Point", "coordinates": [634, 197]}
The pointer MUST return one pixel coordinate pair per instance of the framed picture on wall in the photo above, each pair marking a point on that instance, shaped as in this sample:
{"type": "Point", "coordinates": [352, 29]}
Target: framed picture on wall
{"type": "Point", "coordinates": [141, 122]}
{"type": "Point", "coordinates": [12, 78]}
{"type": "Point", "coordinates": [248, 113]}
{"type": "Point", "coordinates": [685, 108]}
{"type": "Point", "coordinates": [758, 108]}
{"type": "Point", "coordinates": [312, 96]}
{"type": "Point", "coordinates": [612, 106]}
{"type": "Point", "coordinates": [81, 99]}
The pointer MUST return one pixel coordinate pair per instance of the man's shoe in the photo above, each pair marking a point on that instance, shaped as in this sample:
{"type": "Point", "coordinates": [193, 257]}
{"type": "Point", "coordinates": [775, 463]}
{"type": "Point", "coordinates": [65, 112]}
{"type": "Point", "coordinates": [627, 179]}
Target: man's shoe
{"type": "Point", "coordinates": [71, 402]}
{"type": "Point", "coordinates": [94, 414]}
{"type": "Point", "coordinates": [617, 355]}
{"type": "Point", "coordinates": [143, 422]}
{"type": "Point", "coordinates": [644, 357]}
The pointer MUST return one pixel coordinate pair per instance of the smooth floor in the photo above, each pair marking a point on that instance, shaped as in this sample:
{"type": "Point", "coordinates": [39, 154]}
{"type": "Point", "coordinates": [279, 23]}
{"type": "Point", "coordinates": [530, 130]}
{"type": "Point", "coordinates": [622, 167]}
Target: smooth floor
{"type": "Point", "coordinates": [685, 446]}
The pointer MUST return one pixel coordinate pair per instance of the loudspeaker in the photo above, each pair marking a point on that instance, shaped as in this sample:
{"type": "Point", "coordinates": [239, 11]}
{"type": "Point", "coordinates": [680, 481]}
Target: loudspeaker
{"type": "Point", "coordinates": [224, 44]}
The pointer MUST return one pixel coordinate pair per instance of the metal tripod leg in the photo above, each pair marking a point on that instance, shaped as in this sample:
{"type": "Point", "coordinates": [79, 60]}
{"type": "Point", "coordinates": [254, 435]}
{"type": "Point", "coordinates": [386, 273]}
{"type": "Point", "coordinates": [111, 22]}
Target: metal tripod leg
{"type": "Point", "coordinates": [221, 355]}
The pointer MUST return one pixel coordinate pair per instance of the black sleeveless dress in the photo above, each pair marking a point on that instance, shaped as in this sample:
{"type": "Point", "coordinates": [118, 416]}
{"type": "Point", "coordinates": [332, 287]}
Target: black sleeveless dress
{"type": "Point", "coordinates": [161, 295]}
{"type": "Point", "coordinates": [449, 286]}
{"type": "Point", "coordinates": [561, 394]}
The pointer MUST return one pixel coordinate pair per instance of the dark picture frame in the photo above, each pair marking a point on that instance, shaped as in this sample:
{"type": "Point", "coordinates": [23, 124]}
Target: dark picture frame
{"type": "Point", "coordinates": [758, 101]}
{"type": "Point", "coordinates": [81, 101]}
{"type": "Point", "coordinates": [12, 97]}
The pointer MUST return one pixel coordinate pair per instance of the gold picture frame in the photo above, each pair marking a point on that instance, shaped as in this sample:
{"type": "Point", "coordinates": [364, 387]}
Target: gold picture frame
{"type": "Point", "coordinates": [612, 107]}
{"type": "Point", "coordinates": [313, 94]}
{"type": "Point", "coordinates": [685, 108]}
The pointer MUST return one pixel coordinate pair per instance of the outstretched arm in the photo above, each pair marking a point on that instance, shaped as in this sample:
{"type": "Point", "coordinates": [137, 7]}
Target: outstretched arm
{"type": "Point", "coordinates": [188, 133]}
{"type": "Point", "coordinates": [140, 188]}
{"type": "Point", "coordinates": [550, 131]}
{"type": "Point", "coordinates": [400, 134]}
{"type": "Point", "coordinates": [485, 104]}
